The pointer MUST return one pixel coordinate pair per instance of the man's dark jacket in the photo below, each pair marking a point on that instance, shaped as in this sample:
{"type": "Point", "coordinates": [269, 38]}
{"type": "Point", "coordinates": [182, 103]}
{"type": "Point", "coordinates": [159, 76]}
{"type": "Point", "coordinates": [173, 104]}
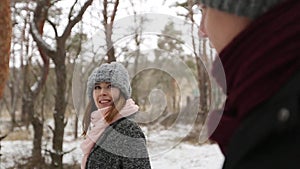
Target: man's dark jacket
{"type": "Point", "coordinates": [270, 136]}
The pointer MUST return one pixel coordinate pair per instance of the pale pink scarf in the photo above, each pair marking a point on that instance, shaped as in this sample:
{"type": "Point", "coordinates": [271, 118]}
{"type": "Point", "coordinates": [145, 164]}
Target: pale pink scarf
{"type": "Point", "coordinates": [98, 125]}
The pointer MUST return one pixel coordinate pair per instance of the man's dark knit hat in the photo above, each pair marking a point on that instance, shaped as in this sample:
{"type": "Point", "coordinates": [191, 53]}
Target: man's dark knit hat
{"type": "Point", "coordinates": [248, 8]}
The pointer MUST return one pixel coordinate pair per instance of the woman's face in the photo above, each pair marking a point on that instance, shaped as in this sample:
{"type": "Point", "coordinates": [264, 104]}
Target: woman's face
{"type": "Point", "coordinates": [220, 27]}
{"type": "Point", "coordinates": [105, 94]}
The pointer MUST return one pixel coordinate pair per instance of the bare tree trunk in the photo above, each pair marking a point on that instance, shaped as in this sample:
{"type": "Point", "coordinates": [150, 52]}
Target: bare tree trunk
{"type": "Point", "coordinates": [25, 69]}
{"type": "Point", "coordinates": [25, 109]}
{"type": "Point", "coordinates": [13, 105]}
{"type": "Point", "coordinates": [203, 81]}
{"type": "Point", "coordinates": [60, 109]}
{"type": "Point", "coordinates": [36, 159]}
{"type": "Point", "coordinates": [13, 84]}
{"type": "Point", "coordinates": [5, 38]}
{"type": "Point", "coordinates": [76, 127]}
{"type": "Point", "coordinates": [137, 37]}
{"type": "Point", "coordinates": [58, 56]}
{"type": "Point", "coordinates": [31, 93]}
{"type": "Point", "coordinates": [108, 28]}
{"type": "Point", "coordinates": [38, 126]}
{"type": "Point", "coordinates": [138, 32]}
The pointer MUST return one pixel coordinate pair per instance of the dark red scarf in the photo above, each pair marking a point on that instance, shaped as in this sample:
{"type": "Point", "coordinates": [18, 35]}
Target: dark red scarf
{"type": "Point", "coordinates": [257, 63]}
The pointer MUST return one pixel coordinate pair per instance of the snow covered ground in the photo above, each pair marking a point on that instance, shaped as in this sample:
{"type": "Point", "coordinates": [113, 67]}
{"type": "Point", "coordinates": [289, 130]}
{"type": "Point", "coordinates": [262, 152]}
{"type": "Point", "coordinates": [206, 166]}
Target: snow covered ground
{"type": "Point", "coordinates": [186, 156]}
{"type": "Point", "coordinates": [183, 156]}
{"type": "Point", "coordinates": [165, 148]}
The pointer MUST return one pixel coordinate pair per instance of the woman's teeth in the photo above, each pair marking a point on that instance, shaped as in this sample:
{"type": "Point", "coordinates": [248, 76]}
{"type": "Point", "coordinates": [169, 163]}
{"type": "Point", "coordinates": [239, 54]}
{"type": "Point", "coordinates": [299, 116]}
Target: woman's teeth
{"type": "Point", "coordinates": [104, 101]}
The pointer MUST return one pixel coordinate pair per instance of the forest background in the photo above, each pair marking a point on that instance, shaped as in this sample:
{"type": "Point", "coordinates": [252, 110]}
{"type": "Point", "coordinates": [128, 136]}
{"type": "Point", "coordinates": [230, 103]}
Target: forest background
{"type": "Point", "coordinates": [49, 47]}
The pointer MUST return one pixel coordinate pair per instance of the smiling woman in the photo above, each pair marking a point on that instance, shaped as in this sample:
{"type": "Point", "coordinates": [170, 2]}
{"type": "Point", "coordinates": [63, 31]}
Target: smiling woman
{"type": "Point", "coordinates": [113, 139]}
{"type": "Point", "coordinates": [105, 95]}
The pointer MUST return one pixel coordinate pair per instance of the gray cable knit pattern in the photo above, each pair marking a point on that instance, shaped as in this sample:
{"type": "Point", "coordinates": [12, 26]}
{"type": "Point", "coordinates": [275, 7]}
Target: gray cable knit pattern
{"type": "Point", "coordinates": [113, 72]}
{"type": "Point", "coordinates": [247, 8]}
{"type": "Point", "coordinates": [122, 145]}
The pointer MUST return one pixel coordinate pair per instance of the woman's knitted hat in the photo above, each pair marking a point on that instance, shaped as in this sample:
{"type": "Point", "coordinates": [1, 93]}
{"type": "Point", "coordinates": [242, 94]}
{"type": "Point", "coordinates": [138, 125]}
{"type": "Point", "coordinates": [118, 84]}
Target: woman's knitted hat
{"type": "Point", "coordinates": [248, 8]}
{"type": "Point", "coordinates": [113, 72]}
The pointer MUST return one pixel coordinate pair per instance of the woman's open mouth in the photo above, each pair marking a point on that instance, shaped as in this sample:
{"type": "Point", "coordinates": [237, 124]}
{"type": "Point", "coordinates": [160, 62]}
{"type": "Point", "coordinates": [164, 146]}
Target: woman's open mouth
{"type": "Point", "coordinates": [104, 103]}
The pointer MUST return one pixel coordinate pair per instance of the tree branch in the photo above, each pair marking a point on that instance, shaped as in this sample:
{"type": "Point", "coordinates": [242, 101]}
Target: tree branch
{"type": "Point", "coordinates": [2, 137]}
{"type": "Point", "coordinates": [39, 40]}
{"type": "Point", "coordinates": [66, 152]}
{"type": "Point", "coordinates": [54, 27]}
{"type": "Point", "coordinates": [59, 153]}
{"type": "Point", "coordinates": [105, 12]}
{"type": "Point", "coordinates": [71, 10]}
{"type": "Point", "coordinates": [73, 22]}
{"type": "Point", "coordinates": [114, 12]}
{"type": "Point", "coordinates": [40, 16]}
{"type": "Point", "coordinates": [54, 1]}
{"type": "Point", "coordinates": [51, 128]}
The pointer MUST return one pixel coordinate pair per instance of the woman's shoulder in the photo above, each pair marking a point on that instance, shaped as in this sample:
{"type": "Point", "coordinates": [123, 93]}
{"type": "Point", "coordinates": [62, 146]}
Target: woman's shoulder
{"type": "Point", "coordinates": [128, 127]}
{"type": "Point", "coordinates": [124, 138]}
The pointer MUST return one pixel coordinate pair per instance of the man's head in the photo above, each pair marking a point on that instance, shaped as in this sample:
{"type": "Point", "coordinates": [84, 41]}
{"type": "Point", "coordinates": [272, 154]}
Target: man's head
{"type": "Point", "coordinates": [223, 20]}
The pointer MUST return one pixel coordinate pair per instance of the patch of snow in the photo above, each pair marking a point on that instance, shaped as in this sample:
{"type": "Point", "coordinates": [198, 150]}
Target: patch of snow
{"type": "Point", "coordinates": [183, 156]}
{"type": "Point", "coordinates": [187, 156]}
{"type": "Point", "coordinates": [165, 149]}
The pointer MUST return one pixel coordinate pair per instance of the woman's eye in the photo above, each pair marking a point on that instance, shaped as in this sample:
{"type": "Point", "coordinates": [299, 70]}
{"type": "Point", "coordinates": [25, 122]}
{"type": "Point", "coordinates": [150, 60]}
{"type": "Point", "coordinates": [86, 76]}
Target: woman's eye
{"type": "Point", "coordinates": [97, 87]}
{"type": "Point", "coordinates": [109, 86]}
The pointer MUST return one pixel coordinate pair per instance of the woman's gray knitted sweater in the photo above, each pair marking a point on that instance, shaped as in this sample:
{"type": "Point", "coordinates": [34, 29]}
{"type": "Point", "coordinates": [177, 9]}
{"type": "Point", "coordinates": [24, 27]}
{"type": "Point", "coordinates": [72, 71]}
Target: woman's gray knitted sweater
{"type": "Point", "coordinates": [121, 146]}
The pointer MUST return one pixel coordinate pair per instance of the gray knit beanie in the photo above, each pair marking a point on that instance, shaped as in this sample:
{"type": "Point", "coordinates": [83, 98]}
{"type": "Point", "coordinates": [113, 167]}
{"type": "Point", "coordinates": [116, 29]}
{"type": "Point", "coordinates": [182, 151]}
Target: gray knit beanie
{"type": "Point", "coordinates": [113, 72]}
{"type": "Point", "coordinates": [248, 8]}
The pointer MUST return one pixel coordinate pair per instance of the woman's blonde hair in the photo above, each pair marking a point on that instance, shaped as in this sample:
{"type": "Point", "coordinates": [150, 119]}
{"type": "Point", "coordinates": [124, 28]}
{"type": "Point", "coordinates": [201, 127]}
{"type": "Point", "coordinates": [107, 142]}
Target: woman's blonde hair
{"type": "Point", "coordinates": [109, 115]}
